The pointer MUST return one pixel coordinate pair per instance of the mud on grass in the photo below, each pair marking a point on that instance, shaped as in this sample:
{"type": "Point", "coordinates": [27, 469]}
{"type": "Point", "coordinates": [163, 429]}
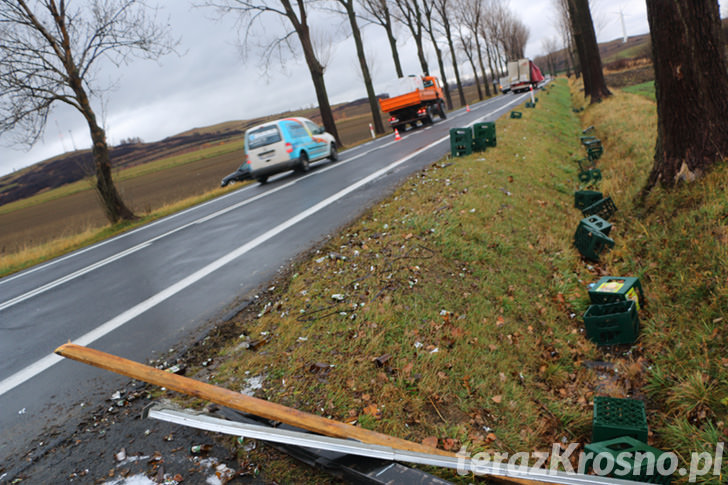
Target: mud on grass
{"type": "Point", "coordinates": [448, 312]}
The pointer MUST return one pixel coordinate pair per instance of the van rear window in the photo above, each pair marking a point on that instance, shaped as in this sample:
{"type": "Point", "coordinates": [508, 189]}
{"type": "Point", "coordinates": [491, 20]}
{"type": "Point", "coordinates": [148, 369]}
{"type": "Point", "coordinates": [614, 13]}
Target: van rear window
{"type": "Point", "coordinates": [263, 136]}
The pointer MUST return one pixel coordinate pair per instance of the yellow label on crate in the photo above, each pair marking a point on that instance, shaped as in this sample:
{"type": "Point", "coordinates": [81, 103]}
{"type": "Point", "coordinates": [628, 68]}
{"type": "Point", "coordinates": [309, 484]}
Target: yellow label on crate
{"type": "Point", "coordinates": [611, 286]}
{"type": "Point", "coordinates": [632, 295]}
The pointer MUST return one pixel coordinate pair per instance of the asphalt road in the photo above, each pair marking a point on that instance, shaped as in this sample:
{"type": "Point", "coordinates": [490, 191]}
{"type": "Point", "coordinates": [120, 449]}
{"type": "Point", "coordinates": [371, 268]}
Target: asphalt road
{"type": "Point", "coordinates": [142, 293]}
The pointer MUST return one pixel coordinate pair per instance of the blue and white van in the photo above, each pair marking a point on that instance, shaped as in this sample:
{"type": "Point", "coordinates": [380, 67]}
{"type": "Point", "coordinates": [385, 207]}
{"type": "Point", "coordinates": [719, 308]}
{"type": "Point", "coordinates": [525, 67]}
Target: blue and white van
{"type": "Point", "coordinates": [286, 144]}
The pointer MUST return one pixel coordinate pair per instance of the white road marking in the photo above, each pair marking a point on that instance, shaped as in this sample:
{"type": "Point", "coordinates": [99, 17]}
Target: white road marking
{"type": "Point", "coordinates": [104, 329]}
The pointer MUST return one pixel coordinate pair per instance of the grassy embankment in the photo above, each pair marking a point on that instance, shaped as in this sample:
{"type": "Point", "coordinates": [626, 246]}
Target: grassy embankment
{"type": "Point", "coordinates": [466, 286]}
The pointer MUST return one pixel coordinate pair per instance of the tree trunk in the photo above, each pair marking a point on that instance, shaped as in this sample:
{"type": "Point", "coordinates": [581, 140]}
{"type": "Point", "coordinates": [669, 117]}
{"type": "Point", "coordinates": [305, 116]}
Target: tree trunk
{"type": "Point", "coordinates": [590, 59]}
{"type": "Point", "coordinates": [451, 44]}
{"type": "Point", "coordinates": [356, 33]}
{"type": "Point", "coordinates": [393, 47]}
{"type": "Point", "coordinates": [490, 65]}
{"type": "Point", "coordinates": [691, 87]}
{"type": "Point", "coordinates": [482, 66]}
{"type": "Point", "coordinates": [314, 66]}
{"type": "Point", "coordinates": [475, 73]}
{"type": "Point", "coordinates": [438, 53]}
{"type": "Point", "coordinates": [114, 207]}
{"type": "Point", "coordinates": [440, 65]}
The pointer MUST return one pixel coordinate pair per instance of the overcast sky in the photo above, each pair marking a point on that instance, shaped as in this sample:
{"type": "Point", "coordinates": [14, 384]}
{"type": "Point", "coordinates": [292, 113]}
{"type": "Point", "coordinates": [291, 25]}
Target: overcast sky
{"type": "Point", "coordinates": [211, 82]}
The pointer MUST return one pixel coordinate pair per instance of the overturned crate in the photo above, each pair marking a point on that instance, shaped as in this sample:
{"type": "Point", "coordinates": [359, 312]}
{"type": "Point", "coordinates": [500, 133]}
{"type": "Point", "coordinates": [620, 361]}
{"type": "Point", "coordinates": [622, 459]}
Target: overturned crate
{"type": "Point", "coordinates": [585, 198]}
{"type": "Point", "coordinates": [516, 115]}
{"type": "Point", "coordinates": [591, 242]}
{"type": "Point", "coordinates": [604, 208]}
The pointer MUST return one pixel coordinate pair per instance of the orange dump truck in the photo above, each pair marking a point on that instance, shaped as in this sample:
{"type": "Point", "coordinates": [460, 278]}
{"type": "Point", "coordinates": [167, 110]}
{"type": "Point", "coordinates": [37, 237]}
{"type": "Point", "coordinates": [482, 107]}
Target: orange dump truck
{"type": "Point", "coordinates": [413, 100]}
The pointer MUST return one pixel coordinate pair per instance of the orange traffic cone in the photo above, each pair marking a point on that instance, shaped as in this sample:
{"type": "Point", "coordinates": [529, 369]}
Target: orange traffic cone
{"type": "Point", "coordinates": [467, 108]}
{"type": "Point", "coordinates": [396, 135]}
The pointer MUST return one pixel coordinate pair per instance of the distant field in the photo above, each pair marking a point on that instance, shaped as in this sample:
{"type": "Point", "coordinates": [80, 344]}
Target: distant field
{"type": "Point", "coordinates": [73, 208]}
{"type": "Point", "coordinates": [645, 89]}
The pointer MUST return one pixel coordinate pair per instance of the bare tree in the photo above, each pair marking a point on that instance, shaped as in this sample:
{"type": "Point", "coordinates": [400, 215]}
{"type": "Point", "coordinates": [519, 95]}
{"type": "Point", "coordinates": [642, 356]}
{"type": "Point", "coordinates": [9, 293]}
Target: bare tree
{"type": "Point", "coordinates": [428, 9]}
{"type": "Point", "coordinates": [348, 6]}
{"type": "Point", "coordinates": [379, 13]}
{"type": "Point", "coordinates": [472, 17]}
{"type": "Point", "coordinates": [409, 13]}
{"type": "Point", "coordinates": [443, 9]}
{"type": "Point", "coordinates": [49, 53]}
{"type": "Point", "coordinates": [563, 26]}
{"type": "Point", "coordinates": [515, 36]}
{"type": "Point", "coordinates": [467, 45]}
{"type": "Point", "coordinates": [691, 87]}
{"type": "Point", "coordinates": [296, 17]}
{"type": "Point", "coordinates": [586, 44]}
{"type": "Point", "coordinates": [550, 46]}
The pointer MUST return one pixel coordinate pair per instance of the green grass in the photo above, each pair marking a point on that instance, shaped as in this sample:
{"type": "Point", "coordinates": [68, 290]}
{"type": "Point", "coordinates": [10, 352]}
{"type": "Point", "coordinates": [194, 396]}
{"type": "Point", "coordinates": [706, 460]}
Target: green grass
{"type": "Point", "coordinates": [645, 89]}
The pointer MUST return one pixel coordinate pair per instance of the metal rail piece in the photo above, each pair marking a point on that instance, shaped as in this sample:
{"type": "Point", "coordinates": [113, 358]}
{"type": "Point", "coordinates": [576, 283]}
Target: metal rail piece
{"type": "Point", "coordinates": [307, 440]}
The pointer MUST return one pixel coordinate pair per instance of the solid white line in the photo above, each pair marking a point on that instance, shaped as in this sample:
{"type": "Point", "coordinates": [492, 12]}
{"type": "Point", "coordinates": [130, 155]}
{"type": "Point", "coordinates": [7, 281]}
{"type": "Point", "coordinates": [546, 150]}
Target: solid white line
{"type": "Point", "coordinates": [116, 322]}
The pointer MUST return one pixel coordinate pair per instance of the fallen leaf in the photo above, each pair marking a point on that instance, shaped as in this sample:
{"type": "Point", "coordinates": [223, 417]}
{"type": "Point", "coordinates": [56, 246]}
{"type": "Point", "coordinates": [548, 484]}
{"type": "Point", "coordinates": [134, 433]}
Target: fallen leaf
{"type": "Point", "coordinates": [430, 441]}
{"type": "Point", "coordinates": [491, 437]}
{"type": "Point", "coordinates": [497, 399]}
{"type": "Point", "coordinates": [449, 444]}
{"type": "Point", "coordinates": [373, 411]}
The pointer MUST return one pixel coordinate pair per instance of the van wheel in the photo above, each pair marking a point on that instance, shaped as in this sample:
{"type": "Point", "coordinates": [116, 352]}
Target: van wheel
{"type": "Point", "coordinates": [303, 165]}
{"type": "Point", "coordinates": [333, 154]}
{"type": "Point", "coordinates": [262, 180]}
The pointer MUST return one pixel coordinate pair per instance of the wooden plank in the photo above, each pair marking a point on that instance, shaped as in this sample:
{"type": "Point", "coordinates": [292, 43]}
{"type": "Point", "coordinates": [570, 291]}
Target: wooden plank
{"type": "Point", "coordinates": [236, 400]}
{"type": "Point", "coordinates": [247, 404]}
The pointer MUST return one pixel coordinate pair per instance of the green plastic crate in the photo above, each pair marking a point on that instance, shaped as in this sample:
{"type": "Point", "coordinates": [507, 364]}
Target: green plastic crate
{"type": "Point", "coordinates": [595, 153]}
{"type": "Point", "coordinates": [593, 143]}
{"type": "Point", "coordinates": [588, 129]}
{"type": "Point", "coordinates": [612, 323]}
{"type": "Point", "coordinates": [587, 139]}
{"type": "Point", "coordinates": [530, 104]}
{"type": "Point", "coordinates": [596, 223]}
{"type": "Point", "coordinates": [516, 114]}
{"type": "Point", "coordinates": [591, 243]}
{"type": "Point", "coordinates": [461, 141]}
{"type": "Point", "coordinates": [640, 459]}
{"type": "Point", "coordinates": [585, 198]}
{"type": "Point", "coordinates": [610, 289]}
{"type": "Point", "coordinates": [615, 418]}
{"type": "Point", "coordinates": [590, 175]}
{"type": "Point", "coordinates": [604, 208]}
{"type": "Point", "coordinates": [484, 136]}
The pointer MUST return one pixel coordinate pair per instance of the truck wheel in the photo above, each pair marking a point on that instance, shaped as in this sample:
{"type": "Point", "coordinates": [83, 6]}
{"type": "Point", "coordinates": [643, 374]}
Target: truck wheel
{"type": "Point", "coordinates": [443, 116]}
{"type": "Point", "coordinates": [427, 120]}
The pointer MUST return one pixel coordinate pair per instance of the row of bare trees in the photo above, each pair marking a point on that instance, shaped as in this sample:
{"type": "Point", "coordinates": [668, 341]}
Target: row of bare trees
{"type": "Point", "coordinates": [51, 51]}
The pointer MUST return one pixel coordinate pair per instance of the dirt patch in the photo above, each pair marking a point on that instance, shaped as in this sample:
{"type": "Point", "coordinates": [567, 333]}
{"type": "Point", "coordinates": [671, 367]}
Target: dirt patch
{"type": "Point", "coordinates": [638, 74]}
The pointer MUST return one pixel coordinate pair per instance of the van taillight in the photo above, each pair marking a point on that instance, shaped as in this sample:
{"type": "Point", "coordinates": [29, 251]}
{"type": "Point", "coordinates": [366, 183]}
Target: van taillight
{"type": "Point", "coordinates": [289, 148]}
